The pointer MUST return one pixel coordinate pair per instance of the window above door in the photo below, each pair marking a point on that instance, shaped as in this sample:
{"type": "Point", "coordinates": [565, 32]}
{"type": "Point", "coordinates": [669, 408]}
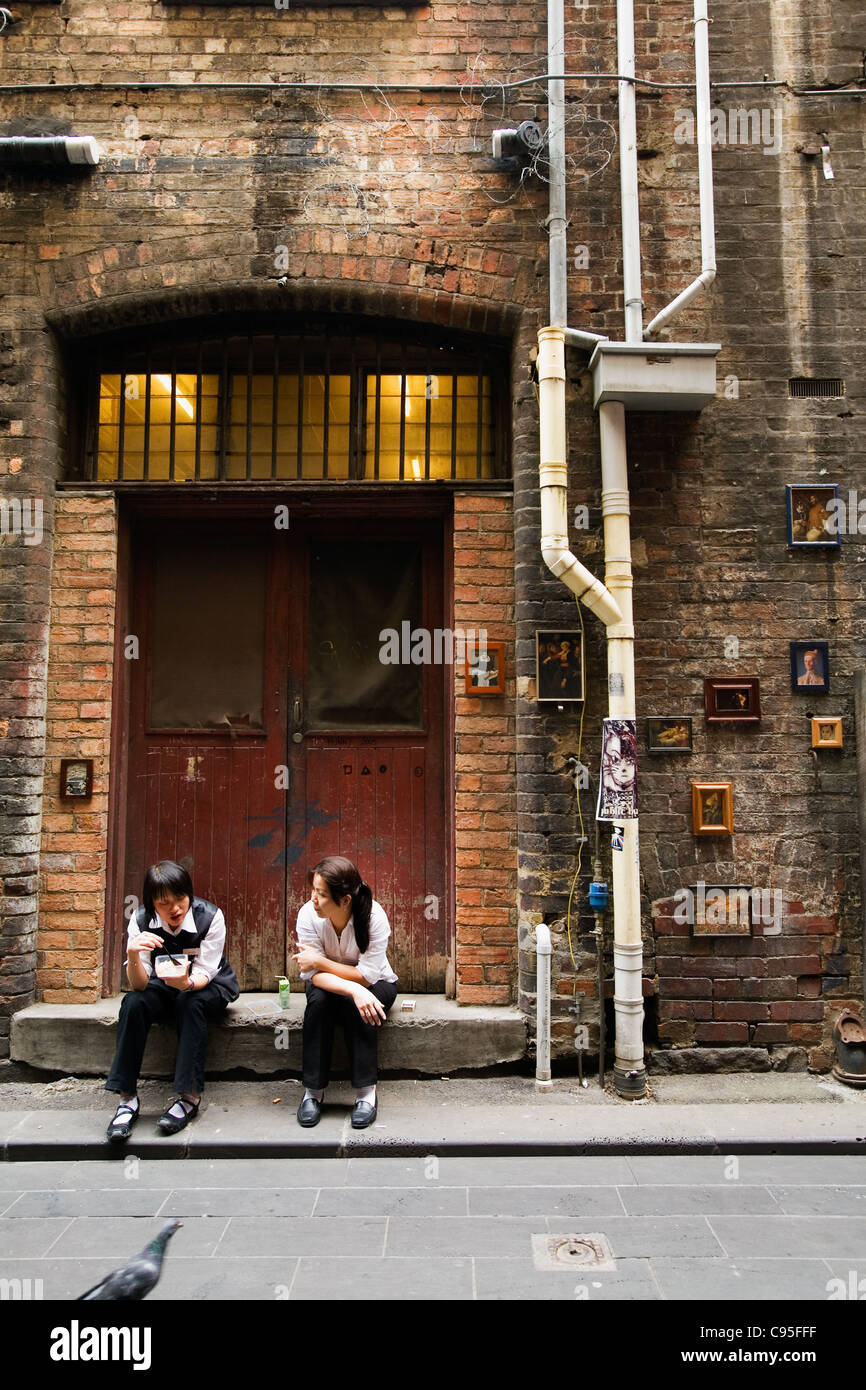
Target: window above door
{"type": "Point", "coordinates": [327, 403]}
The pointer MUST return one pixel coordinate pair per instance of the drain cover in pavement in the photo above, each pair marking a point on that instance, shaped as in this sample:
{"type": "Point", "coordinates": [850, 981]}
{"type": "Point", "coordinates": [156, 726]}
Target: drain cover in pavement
{"type": "Point", "coordinates": [572, 1252]}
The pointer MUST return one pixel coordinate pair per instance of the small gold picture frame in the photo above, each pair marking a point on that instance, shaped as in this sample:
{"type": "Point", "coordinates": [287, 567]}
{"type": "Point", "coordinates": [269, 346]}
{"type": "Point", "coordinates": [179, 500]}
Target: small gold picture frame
{"type": "Point", "coordinates": [713, 808]}
{"type": "Point", "coordinates": [826, 731]}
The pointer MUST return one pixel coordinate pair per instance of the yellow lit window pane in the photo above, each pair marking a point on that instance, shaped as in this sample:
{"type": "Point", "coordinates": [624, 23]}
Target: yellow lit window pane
{"type": "Point", "coordinates": [132, 396]}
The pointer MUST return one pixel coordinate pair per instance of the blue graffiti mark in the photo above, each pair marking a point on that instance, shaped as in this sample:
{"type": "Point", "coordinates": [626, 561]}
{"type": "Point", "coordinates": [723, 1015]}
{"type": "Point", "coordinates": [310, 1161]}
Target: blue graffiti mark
{"type": "Point", "coordinates": [300, 817]}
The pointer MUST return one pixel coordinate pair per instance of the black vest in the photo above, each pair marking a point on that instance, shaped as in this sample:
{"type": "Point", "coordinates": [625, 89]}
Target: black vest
{"type": "Point", "coordinates": [203, 914]}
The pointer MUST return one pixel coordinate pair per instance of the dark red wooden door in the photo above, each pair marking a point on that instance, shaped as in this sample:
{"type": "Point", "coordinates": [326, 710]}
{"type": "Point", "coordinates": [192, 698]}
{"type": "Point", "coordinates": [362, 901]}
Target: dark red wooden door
{"type": "Point", "coordinates": [266, 733]}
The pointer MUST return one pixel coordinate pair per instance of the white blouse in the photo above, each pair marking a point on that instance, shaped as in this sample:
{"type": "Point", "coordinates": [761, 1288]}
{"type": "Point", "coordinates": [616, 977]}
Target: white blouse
{"type": "Point", "coordinates": [318, 933]}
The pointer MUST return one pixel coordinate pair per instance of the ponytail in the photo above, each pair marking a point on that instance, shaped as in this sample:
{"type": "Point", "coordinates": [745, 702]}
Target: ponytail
{"type": "Point", "coordinates": [362, 901]}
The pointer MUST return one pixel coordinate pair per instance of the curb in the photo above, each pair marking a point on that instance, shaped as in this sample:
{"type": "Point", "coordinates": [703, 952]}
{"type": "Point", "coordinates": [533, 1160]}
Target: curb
{"type": "Point", "coordinates": [30, 1151]}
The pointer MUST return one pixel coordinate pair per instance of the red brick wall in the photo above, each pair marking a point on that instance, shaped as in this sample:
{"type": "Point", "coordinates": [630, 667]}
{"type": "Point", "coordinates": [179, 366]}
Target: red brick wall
{"type": "Point", "coordinates": [758, 991]}
{"type": "Point", "coordinates": [78, 724]}
{"type": "Point", "coordinates": [486, 789]}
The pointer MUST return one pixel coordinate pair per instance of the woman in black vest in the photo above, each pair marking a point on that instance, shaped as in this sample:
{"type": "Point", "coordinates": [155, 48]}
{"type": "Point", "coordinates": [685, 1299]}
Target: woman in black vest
{"type": "Point", "coordinates": [172, 920]}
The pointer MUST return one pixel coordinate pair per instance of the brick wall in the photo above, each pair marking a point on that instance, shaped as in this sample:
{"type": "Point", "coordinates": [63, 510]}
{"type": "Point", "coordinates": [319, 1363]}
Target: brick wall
{"type": "Point", "coordinates": [763, 991]}
{"type": "Point", "coordinates": [78, 725]}
{"type": "Point", "coordinates": [485, 777]}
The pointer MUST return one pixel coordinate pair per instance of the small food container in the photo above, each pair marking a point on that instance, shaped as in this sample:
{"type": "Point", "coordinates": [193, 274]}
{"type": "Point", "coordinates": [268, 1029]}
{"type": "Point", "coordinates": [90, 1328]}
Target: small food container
{"type": "Point", "coordinates": [172, 967]}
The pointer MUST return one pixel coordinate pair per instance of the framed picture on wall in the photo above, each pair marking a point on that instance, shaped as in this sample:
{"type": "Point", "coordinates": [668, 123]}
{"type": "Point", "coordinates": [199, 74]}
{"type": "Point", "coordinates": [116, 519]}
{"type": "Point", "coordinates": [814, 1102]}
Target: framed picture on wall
{"type": "Point", "coordinates": [713, 808]}
{"type": "Point", "coordinates": [669, 734]}
{"type": "Point", "coordinates": [732, 698]}
{"type": "Point", "coordinates": [810, 668]}
{"type": "Point", "coordinates": [826, 731]}
{"type": "Point", "coordinates": [813, 516]}
{"type": "Point", "coordinates": [76, 779]}
{"type": "Point", "coordinates": [559, 665]}
{"type": "Point", "coordinates": [485, 670]}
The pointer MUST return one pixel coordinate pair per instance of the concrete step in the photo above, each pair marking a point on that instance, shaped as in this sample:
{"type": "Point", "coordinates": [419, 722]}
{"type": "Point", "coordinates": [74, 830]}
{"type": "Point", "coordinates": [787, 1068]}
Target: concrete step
{"type": "Point", "coordinates": [260, 1038]}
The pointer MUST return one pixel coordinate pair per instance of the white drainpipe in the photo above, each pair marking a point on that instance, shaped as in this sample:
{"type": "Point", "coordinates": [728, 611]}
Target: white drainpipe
{"type": "Point", "coordinates": [543, 952]}
{"type": "Point", "coordinates": [611, 602]}
{"type": "Point", "coordinates": [705, 173]}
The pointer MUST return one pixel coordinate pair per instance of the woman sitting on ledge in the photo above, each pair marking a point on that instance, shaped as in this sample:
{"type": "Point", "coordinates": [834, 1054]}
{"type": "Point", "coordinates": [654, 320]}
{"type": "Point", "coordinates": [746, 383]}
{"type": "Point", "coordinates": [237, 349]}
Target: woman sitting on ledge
{"type": "Point", "coordinates": [343, 934]}
{"type": "Point", "coordinates": [172, 927]}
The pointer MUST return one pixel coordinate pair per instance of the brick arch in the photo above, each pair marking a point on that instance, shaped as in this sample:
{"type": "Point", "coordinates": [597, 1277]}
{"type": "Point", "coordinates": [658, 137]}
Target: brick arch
{"type": "Point", "coordinates": [295, 298]}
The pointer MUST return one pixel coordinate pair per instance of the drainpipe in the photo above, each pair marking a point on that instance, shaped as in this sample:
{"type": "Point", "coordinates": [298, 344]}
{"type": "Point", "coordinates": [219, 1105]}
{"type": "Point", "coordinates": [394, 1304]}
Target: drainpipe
{"type": "Point", "coordinates": [543, 952]}
{"type": "Point", "coordinates": [611, 601]}
{"type": "Point", "coordinates": [705, 173]}
{"type": "Point", "coordinates": [49, 149]}
{"type": "Point", "coordinates": [628, 173]}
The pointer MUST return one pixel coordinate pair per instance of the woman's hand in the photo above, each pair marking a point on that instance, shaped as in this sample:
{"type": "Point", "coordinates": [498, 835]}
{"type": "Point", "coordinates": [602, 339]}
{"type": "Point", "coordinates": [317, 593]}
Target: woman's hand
{"type": "Point", "coordinates": [369, 1007]}
{"type": "Point", "coordinates": [146, 941]}
{"type": "Point", "coordinates": [308, 959]}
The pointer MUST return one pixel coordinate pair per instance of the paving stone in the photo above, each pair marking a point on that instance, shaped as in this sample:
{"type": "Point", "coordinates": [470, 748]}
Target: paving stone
{"type": "Point", "coordinates": [291, 1236]}
{"type": "Point", "coordinates": [790, 1169]}
{"type": "Point", "coordinates": [602, 1170]}
{"type": "Point", "coordinates": [260, 1280]}
{"type": "Point", "coordinates": [741, 1280]}
{"type": "Point", "coordinates": [514, 1279]}
{"type": "Point", "coordinates": [28, 1235]}
{"type": "Point", "coordinates": [735, 1199]}
{"type": "Point", "coordinates": [585, 1204]}
{"type": "Point", "coordinates": [405, 1279]}
{"type": "Point", "coordinates": [199, 1172]}
{"type": "Point", "coordinates": [131, 1200]}
{"type": "Point", "coordinates": [822, 1201]}
{"type": "Point", "coordinates": [119, 1237]}
{"type": "Point", "coordinates": [431, 1200]}
{"type": "Point", "coordinates": [477, 1235]}
{"type": "Point", "coordinates": [22, 1176]}
{"type": "Point", "coordinates": [240, 1201]}
{"type": "Point", "coordinates": [395, 1172]}
{"type": "Point", "coordinates": [785, 1236]}
{"type": "Point", "coordinates": [641, 1237]}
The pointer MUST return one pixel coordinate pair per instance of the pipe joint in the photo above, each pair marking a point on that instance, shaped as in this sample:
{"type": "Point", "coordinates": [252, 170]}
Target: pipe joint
{"type": "Point", "coordinates": [615, 502]}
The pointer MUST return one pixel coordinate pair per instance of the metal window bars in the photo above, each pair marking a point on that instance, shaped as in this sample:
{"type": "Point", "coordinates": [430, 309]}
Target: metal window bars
{"type": "Point", "coordinates": [316, 404]}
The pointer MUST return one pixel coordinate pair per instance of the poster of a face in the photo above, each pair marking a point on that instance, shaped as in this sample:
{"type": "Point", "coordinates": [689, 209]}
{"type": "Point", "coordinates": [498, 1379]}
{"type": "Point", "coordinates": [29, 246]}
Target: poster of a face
{"type": "Point", "coordinates": [617, 793]}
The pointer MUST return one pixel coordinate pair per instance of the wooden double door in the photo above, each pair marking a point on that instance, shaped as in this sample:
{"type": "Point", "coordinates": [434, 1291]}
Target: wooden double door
{"type": "Point", "coordinates": [265, 731]}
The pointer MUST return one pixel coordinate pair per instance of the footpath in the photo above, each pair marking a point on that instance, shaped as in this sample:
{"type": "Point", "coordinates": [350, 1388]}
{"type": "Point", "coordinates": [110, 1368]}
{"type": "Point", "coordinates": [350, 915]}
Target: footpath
{"type": "Point", "coordinates": [496, 1116]}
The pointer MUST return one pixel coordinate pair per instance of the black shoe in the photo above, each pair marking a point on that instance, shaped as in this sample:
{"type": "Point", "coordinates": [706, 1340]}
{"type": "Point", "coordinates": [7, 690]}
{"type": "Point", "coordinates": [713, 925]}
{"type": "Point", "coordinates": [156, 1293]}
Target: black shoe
{"type": "Point", "coordinates": [309, 1112]}
{"type": "Point", "coordinates": [124, 1118]}
{"type": "Point", "coordinates": [363, 1114]}
{"type": "Point", "coordinates": [170, 1124]}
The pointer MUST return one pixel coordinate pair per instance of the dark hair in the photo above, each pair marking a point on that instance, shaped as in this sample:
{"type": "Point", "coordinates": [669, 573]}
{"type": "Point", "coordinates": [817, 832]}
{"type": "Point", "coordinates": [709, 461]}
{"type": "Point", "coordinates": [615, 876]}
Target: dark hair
{"type": "Point", "coordinates": [343, 878]}
{"type": "Point", "coordinates": [162, 878]}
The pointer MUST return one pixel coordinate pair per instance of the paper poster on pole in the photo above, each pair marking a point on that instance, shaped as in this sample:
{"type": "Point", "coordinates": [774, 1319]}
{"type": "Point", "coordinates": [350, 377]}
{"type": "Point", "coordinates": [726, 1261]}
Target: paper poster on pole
{"type": "Point", "coordinates": [617, 792]}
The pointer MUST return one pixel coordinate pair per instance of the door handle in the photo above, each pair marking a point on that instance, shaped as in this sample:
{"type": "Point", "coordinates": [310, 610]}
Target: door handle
{"type": "Point", "coordinates": [297, 736]}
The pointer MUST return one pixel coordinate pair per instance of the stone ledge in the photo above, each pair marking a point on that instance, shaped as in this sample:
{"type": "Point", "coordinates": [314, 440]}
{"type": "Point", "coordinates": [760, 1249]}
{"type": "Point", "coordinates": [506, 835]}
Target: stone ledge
{"type": "Point", "coordinates": [259, 1037]}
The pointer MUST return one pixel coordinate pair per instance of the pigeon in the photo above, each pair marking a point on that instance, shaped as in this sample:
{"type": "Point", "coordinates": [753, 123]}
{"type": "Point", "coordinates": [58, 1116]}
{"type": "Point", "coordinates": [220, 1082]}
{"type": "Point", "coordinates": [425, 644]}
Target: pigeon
{"type": "Point", "coordinates": [138, 1276]}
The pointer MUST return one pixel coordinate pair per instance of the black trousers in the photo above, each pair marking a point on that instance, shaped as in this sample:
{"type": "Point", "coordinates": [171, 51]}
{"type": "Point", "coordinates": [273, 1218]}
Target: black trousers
{"type": "Point", "coordinates": [323, 1012]}
{"type": "Point", "coordinates": [189, 1010]}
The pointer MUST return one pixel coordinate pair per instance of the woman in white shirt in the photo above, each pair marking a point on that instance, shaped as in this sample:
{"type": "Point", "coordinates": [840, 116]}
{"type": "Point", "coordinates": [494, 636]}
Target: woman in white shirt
{"type": "Point", "coordinates": [342, 938]}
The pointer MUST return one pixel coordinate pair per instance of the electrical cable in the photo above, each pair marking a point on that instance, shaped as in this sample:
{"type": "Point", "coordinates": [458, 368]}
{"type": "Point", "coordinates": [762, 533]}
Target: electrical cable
{"type": "Point", "coordinates": [439, 88]}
